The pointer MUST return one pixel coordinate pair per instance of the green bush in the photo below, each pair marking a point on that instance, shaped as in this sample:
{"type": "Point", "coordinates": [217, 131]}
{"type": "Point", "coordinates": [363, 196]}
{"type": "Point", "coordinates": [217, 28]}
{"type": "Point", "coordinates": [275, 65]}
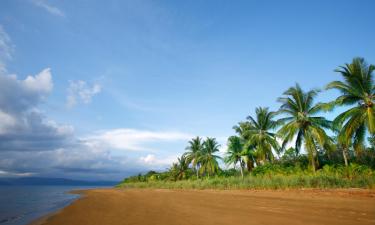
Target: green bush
{"type": "Point", "coordinates": [268, 176]}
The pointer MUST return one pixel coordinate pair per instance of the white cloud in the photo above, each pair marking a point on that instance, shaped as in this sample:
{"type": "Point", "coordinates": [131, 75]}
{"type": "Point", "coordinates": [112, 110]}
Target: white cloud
{"type": "Point", "coordinates": [49, 8]}
{"type": "Point", "coordinates": [7, 121]}
{"type": "Point", "coordinates": [41, 82]}
{"type": "Point", "coordinates": [133, 140]}
{"type": "Point", "coordinates": [23, 127]}
{"type": "Point", "coordinates": [159, 163]}
{"type": "Point", "coordinates": [80, 91]}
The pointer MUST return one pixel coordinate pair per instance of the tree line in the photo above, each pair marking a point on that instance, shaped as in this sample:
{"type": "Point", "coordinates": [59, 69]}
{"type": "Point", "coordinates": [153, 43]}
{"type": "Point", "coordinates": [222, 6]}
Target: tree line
{"type": "Point", "coordinates": [299, 122]}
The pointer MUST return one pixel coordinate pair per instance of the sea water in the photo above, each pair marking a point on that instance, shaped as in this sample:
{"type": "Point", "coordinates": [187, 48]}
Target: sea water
{"type": "Point", "coordinates": [20, 205]}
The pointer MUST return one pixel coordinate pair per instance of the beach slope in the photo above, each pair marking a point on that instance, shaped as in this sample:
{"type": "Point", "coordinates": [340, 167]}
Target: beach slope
{"type": "Point", "coordinates": [211, 207]}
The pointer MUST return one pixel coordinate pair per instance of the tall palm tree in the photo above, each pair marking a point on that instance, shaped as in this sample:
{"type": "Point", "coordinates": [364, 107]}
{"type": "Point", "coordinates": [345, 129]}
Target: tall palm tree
{"type": "Point", "coordinates": [208, 159]}
{"type": "Point", "coordinates": [234, 152]}
{"type": "Point", "coordinates": [194, 150]}
{"type": "Point", "coordinates": [301, 122]}
{"type": "Point", "coordinates": [260, 134]}
{"type": "Point", "coordinates": [357, 90]}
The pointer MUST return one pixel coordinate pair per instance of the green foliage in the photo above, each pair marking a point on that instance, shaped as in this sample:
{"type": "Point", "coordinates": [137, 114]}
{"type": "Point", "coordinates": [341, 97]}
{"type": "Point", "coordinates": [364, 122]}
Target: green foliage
{"type": "Point", "coordinates": [272, 176]}
{"type": "Point", "coordinates": [340, 161]}
{"type": "Point", "coordinates": [258, 136]}
{"type": "Point", "coordinates": [194, 152]}
{"type": "Point", "coordinates": [235, 152]}
{"type": "Point", "coordinates": [208, 159]}
{"type": "Point", "coordinates": [357, 90]}
{"type": "Point", "coordinates": [300, 122]}
{"type": "Point", "coordinates": [321, 179]}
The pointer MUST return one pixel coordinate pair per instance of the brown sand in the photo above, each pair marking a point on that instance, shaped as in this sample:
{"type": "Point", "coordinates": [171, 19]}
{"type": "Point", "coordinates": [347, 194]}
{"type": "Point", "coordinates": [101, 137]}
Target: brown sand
{"type": "Point", "coordinates": [206, 207]}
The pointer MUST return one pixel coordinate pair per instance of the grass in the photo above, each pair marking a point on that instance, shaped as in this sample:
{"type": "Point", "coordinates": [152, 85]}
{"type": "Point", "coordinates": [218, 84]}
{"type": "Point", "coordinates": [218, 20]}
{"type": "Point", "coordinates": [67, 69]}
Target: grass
{"type": "Point", "coordinates": [318, 180]}
{"type": "Point", "coordinates": [269, 176]}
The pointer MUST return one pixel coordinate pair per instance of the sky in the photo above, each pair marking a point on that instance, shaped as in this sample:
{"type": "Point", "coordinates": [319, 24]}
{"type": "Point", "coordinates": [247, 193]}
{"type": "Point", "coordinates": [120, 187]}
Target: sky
{"type": "Point", "coordinates": [106, 89]}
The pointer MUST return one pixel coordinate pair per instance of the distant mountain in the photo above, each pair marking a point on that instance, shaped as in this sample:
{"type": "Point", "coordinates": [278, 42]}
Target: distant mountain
{"type": "Point", "coordinates": [53, 181]}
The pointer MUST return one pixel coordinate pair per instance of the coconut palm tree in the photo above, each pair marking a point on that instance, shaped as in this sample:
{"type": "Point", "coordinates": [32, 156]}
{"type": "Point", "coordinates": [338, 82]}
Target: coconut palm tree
{"type": "Point", "coordinates": [208, 159]}
{"type": "Point", "coordinates": [342, 143]}
{"type": "Point", "coordinates": [301, 122]}
{"type": "Point", "coordinates": [194, 150]}
{"type": "Point", "coordinates": [260, 134]}
{"type": "Point", "coordinates": [248, 154]}
{"type": "Point", "coordinates": [249, 157]}
{"type": "Point", "coordinates": [357, 90]}
{"type": "Point", "coordinates": [179, 169]}
{"type": "Point", "coordinates": [234, 152]}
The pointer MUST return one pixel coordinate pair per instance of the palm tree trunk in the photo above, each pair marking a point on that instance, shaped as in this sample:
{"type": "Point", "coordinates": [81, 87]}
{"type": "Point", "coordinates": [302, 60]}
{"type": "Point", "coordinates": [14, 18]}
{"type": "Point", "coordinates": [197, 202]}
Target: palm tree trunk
{"type": "Point", "coordinates": [241, 169]}
{"type": "Point", "coordinates": [249, 165]}
{"type": "Point", "coordinates": [197, 170]}
{"type": "Point", "coordinates": [345, 156]}
{"type": "Point", "coordinates": [313, 164]}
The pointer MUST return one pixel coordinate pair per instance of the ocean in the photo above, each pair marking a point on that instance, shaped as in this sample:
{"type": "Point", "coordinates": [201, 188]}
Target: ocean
{"type": "Point", "coordinates": [22, 204]}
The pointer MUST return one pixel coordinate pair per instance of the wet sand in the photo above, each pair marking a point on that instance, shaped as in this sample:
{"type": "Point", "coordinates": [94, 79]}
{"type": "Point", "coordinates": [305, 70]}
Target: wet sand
{"type": "Point", "coordinates": [214, 207]}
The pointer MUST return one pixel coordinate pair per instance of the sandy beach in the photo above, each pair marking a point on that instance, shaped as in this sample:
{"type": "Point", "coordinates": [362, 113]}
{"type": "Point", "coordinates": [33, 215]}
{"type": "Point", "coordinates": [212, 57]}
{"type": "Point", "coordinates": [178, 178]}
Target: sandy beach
{"type": "Point", "coordinates": [198, 207]}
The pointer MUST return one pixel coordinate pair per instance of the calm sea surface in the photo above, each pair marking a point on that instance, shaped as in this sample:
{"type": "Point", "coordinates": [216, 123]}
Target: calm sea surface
{"type": "Point", "coordinates": [20, 205]}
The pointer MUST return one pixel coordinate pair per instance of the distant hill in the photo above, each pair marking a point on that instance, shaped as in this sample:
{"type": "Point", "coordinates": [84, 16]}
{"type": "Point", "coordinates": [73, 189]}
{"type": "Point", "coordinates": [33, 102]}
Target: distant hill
{"type": "Point", "coordinates": [53, 181]}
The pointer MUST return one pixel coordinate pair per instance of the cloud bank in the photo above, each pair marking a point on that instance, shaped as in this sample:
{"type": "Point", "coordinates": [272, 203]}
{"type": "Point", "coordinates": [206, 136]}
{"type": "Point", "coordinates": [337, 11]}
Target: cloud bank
{"type": "Point", "coordinates": [32, 144]}
{"type": "Point", "coordinates": [23, 126]}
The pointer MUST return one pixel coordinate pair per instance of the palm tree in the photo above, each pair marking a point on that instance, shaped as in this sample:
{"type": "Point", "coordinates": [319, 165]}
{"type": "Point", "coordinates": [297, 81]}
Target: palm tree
{"type": "Point", "coordinates": [194, 150]}
{"type": "Point", "coordinates": [248, 154]}
{"type": "Point", "coordinates": [235, 152]}
{"type": "Point", "coordinates": [357, 90]}
{"type": "Point", "coordinates": [301, 123]}
{"type": "Point", "coordinates": [248, 157]}
{"type": "Point", "coordinates": [179, 169]}
{"type": "Point", "coordinates": [208, 159]}
{"type": "Point", "coordinates": [342, 143]}
{"type": "Point", "coordinates": [260, 134]}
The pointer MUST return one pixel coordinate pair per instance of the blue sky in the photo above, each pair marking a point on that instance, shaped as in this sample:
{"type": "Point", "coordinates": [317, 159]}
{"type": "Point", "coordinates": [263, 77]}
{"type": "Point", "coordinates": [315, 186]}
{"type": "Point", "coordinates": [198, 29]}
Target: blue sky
{"type": "Point", "coordinates": [130, 81]}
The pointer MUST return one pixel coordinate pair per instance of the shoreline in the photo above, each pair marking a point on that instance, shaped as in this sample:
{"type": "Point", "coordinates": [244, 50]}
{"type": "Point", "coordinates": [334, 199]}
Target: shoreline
{"type": "Point", "coordinates": [163, 206]}
{"type": "Point", "coordinates": [43, 219]}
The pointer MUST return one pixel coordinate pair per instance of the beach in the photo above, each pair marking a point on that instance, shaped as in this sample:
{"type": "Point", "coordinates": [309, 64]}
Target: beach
{"type": "Point", "coordinates": [195, 207]}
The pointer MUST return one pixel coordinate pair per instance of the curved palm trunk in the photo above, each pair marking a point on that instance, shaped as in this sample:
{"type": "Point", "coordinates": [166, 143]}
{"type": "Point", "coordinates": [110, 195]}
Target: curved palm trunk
{"type": "Point", "coordinates": [197, 170]}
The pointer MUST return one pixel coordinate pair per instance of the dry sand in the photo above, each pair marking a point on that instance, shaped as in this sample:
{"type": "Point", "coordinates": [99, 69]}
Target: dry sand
{"type": "Point", "coordinates": [206, 207]}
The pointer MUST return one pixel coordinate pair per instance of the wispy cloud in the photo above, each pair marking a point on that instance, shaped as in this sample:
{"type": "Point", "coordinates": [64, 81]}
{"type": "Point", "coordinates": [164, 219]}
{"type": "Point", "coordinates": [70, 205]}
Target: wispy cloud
{"type": "Point", "coordinates": [4, 173]}
{"type": "Point", "coordinates": [132, 139]}
{"type": "Point", "coordinates": [48, 7]}
{"type": "Point", "coordinates": [158, 162]}
{"type": "Point", "coordinates": [126, 102]}
{"type": "Point", "coordinates": [80, 91]}
{"type": "Point", "coordinates": [6, 49]}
